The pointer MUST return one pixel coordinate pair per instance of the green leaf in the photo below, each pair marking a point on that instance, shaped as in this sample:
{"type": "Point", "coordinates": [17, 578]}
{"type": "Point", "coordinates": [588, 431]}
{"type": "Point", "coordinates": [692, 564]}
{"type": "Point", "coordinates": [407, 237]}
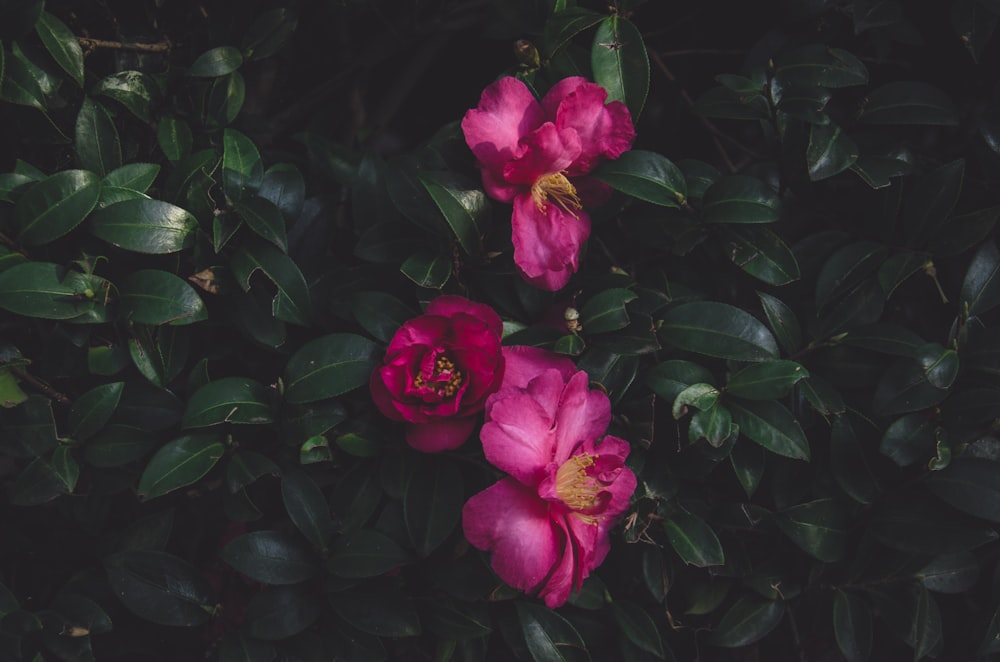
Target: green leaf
{"type": "Point", "coordinates": [174, 137]}
{"type": "Point", "coordinates": [647, 176]}
{"type": "Point", "coordinates": [962, 232]}
{"type": "Point", "coordinates": [563, 26]}
{"type": "Point", "coordinates": [929, 200]}
{"type": "Point", "coordinates": [269, 32]}
{"type": "Point", "coordinates": [748, 620]}
{"type": "Point", "coordinates": [548, 636]}
{"type": "Point", "coordinates": [380, 314]}
{"type": "Point", "coordinates": [818, 527]}
{"type": "Point", "coordinates": [782, 321]}
{"type": "Point", "coordinates": [280, 612]}
{"type": "Point", "coordinates": [98, 147]}
{"type": "Point", "coordinates": [740, 199]}
{"type": "Point", "coordinates": [179, 463]}
{"type": "Point", "coordinates": [54, 206]}
{"type": "Point", "coordinates": [432, 504]}
{"type": "Point", "coordinates": [427, 269]}
{"type": "Point", "coordinates": [450, 623]}
{"type": "Point", "coordinates": [850, 462]}
{"type": "Point", "coordinates": [909, 102]}
{"type": "Point", "coordinates": [284, 186]}
{"type": "Point", "coordinates": [852, 626]}
{"type": "Point", "coordinates": [875, 13]}
{"type": "Point", "coordinates": [719, 330]}
{"type": "Point", "coordinates": [19, 84]}
{"type": "Point", "coordinates": [292, 302]}
{"type": "Point", "coordinates": [365, 553]}
{"type": "Point", "coordinates": [217, 62]}
{"type": "Point", "coordinates": [463, 205]}
{"type": "Point", "coordinates": [159, 353]}
{"type": "Point", "coordinates": [950, 573]}
{"type": "Point", "coordinates": [771, 425]}
{"type": "Point", "coordinates": [270, 557]}
{"type": "Point", "coordinates": [134, 176]}
{"type": "Point", "coordinates": [44, 480]}
{"type": "Point", "coordinates": [133, 89]}
{"type": "Point", "coordinates": [748, 462]}
{"type": "Point", "coordinates": [669, 378]}
{"type": "Point", "coordinates": [620, 63]}
{"type": "Point", "coordinates": [981, 286]}
{"type": "Point", "coordinates": [242, 169]}
{"type": "Point", "coordinates": [41, 289]}
{"type": "Point", "coordinates": [93, 409]}
{"type": "Point", "coordinates": [62, 45]}
{"type": "Point", "coordinates": [725, 104]}
{"type": "Point", "coordinates": [912, 384]}
{"type": "Point", "coordinates": [160, 587]}
{"type": "Point", "coordinates": [145, 226]}
{"type": "Point", "coordinates": [897, 268]}
{"type": "Point", "coordinates": [765, 381]}
{"type": "Point", "coordinates": [846, 268]}
{"type": "Point", "coordinates": [11, 394]}
{"type": "Point", "coordinates": [637, 626]}
{"type": "Point", "coordinates": [329, 366]}
{"type": "Point", "coordinates": [694, 540]}
{"type": "Point", "coordinates": [830, 151]}
{"type": "Point", "coordinates": [307, 507]}
{"type": "Point", "coordinates": [377, 608]}
{"type": "Point", "coordinates": [20, 18]}
{"type": "Point", "coordinates": [970, 484]}
{"type": "Point", "coordinates": [264, 218]}
{"type": "Point", "coordinates": [117, 445]}
{"type": "Point", "coordinates": [761, 253]}
{"type": "Point", "coordinates": [149, 296]}
{"type": "Point", "coordinates": [605, 311]}
{"type": "Point", "coordinates": [816, 64]}
{"type": "Point", "coordinates": [228, 400]}
{"type": "Point", "coordinates": [701, 396]}
{"type": "Point", "coordinates": [917, 523]}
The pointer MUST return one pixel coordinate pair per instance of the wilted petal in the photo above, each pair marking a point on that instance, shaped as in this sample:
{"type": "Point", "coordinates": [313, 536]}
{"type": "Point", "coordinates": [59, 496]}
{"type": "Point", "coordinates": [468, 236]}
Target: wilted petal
{"type": "Point", "coordinates": [511, 522]}
{"type": "Point", "coordinates": [547, 242]}
{"type": "Point", "coordinates": [507, 111]}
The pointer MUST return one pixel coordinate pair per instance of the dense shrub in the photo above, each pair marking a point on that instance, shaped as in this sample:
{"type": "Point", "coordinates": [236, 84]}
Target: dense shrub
{"type": "Point", "coordinates": [253, 256]}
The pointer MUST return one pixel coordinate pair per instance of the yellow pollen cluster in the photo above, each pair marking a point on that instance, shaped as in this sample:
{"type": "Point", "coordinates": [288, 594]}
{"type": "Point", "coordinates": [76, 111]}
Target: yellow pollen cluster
{"type": "Point", "coordinates": [576, 489]}
{"type": "Point", "coordinates": [560, 190]}
{"type": "Point", "coordinates": [442, 366]}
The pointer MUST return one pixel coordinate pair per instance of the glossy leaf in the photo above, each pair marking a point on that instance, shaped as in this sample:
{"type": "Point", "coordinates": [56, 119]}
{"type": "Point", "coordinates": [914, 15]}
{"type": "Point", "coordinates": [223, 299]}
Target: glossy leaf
{"type": "Point", "coordinates": [847, 267]}
{"type": "Point", "coordinates": [548, 636]}
{"type": "Point", "coordinates": [269, 33]}
{"type": "Point", "coordinates": [761, 253]}
{"type": "Point", "coordinates": [133, 89]}
{"type": "Point", "coordinates": [292, 303]}
{"type": "Point", "coordinates": [605, 311]}
{"type": "Point", "coordinates": [145, 226]}
{"type": "Point", "coordinates": [981, 287]}
{"type": "Point", "coordinates": [694, 540]}
{"type": "Point", "coordinates": [98, 147]}
{"type": "Point", "coordinates": [620, 63]}
{"type": "Point", "coordinates": [719, 330]}
{"type": "Point", "coordinates": [765, 381]}
{"type": "Point", "coordinates": [972, 485]}
{"type": "Point", "coordinates": [929, 201]}
{"type": "Point", "coordinates": [160, 587]}
{"type": "Point", "coordinates": [270, 557]}
{"type": "Point", "coordinates": [62, 45]}
{"type": "Point", "coordinates": [264, 218]}
{"type": "Point", "coordinates": [740, 199]}
{"type": "Point", "coordinates": [217, 62]}
{"type": "Point", "coordinates": [378, 609]}
{"type": "Point", "coordinates": [669, 378]}
{"type": "Point", "coordinates": [174, 137]}
{"type": "Point", "coordinates": [365, 553]}
{"type": "Point", "coordinates": [771, 425]}
{"type": "Point", "coordinates": [852, 626]}
{"type": "Point", "coordinates": [91, 411]}
{"type": "Point", "coordinates": [228, 400]}
{"type": "Point", "coordinates": [464, 207]}
{"type": "Point", "coordinates": [280, 612]}
{"type": "Point", "coordinates": [242, 169]}
{"type": "Point", "coordinates": [748, 620]}
{"type": "Point", "coordinates": [155, 297]}
{"type": "Point", "coordinates": [816, 64]}
{"type": "Point", "coordinates": [638, 627]}
{"type": "Point", "coordinates": [53, 207]}
{"type": "Point", "coordinates": [329, 366]}
{"type": "Point", "coordinates": [179, 463]}
{"type": "Point", "coordinates": [647, 176]}
{"type": "Point", "coordinates": [432, 505]}
{"type": "Point", "coordinates": [783, 322]}
{"type": "Point", "coordinates": [133, 176]}
{"type": "Point", "coordinates": [818, 527]}
{"type": "Point", "coordinates": [909, 102]}
{"type": "Point", "coordinates": [307, 507]}
{"type": "Point", "coordinates": [830, 151]}
{"type": "Point", "coordinates": [19, 84]}
{"type": "Point", "coordinates": [380, 314]}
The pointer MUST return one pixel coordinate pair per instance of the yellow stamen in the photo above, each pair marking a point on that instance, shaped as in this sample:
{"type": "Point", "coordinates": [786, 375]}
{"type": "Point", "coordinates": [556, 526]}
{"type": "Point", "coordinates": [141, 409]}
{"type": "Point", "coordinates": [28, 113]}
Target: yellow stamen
{"type": "Point", "coordinates": [560, 190]}
{"type": "Point", "coordinates": [573, 486]}
{"type": "Point", "coordinates": [443, 366]}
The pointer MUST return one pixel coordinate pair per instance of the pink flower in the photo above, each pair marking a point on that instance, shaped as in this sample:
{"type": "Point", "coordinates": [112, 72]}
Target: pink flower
{"type": "Point", "coordinates": [535, 155]}
{"type": "Point", "coordinates": [438, 370]}
{"type": "Point", "coordinates": [547, 524]}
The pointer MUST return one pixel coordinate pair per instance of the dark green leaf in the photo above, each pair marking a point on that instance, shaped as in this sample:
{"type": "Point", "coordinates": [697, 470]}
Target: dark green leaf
{"type": "Point", "coordinates": [149, 296]}
{"type": "Point", "coordinates": [427, 269]}
{"type": "Point", "coordinates": [847, 267]}
{"type": "Point", "coordinates": [174, 137]}
{"type": "Point", "coordinates": [950, 573]}
{"type": "Point", "coordinates": [133, 89]}
{"type": "Point", "coordinates": [761, 253]}
{"type": "Point", "coordinates": [242, 168]}
{"type": "Point", "coordinates": [981, 287]}
{"type": "Point", "coordinates": [830, 151]}
{"type": "Point", "coordinates": [19, 84]}
{"type": "Point", "coordinates": [62, 45]}
{"type": "Point", "coordinates": [908, 440]}
{"type": "Point", "coordinates": [782, 321]}
{"type": "Point", "coordinates": [280, 612]}
{"type": "Point", "coordinates": [179, 463]}
{"type": "Point", "coordinates": [451, 623]}
{"type": "Point", "coordinates": [801, 102]}
{"type": "Point", "coordinates": [432, 505]}
{"type": "Point", "coordinates": [637, 625]}
{"type": "Point", "coordinates": [605, 311]}
{"type": "Point", "coordinates": [53, 207]}
{"type": "Point", "coordinates": [724, 103]}
{"type": "Point", "coordinates": [748, 620]}
{"type": "Point", "coordinates": [117, 445]}
{"type": "Point", "coordinates": [548, 636]}
{"type": "Point", "coordinates": [816, 64]}
{"type": "Point", "coordinates": [896, 269]}
{"type": "Point", "coordinates": [264, 218]}
{"type": "Point", "coordinates": [749, 462]}
{"type": "Point", "coordinates": [245, 467]}
{"type": "Point", "coordinates": [909, 102]}
{"type": "Point", "coordinates": [134, 176]}
{"type": "Point", "coordinates": [270, 557]}
{"type": "Point", "coordinates": [818, 527]}
{"type": "Point", "coordinates": [40, 289]}
{"type": "Point", "coordinates": [562, 26]}
{"type": "Point", "coordinates": [720, 330]}
{"type": "Point", "coordinates": [160, 587]}
{"type": "Point", "coordinates": [700, 396]}
{"type": "Point", "coordinates": [159, 353]}
{"type": "Point", "coordinates": [694, 540]}
{"type": "Point", "coordinates": [292, 303]}
{"type": "Point", "coordinates": [647, 176]}
{"type": "Point", "coordinates": [875, 13]}
{"type": "Point", "coordinates": [740, 199]}
{"type": "Point", "coordinates": [283, 185]}
{"type": "Point", "coordinates": [929, 200]}
{"type": "Point", "coordinates": [852, 626]}
{"type": "Point", "coordinates": [328, 367]}
{"type": "Point", "coordinates": [669, 378]}
{"type": "Point", "coordinates": [91, 411]}
{"type": "Point", "coordinates": [379, 609]}
{"type": "Point", "coordinates": [850, 464]}
{"type": "Point", "coordinates": [463, 206]}
{"type": "Point", "coordinates": [912, 384]}
{"type": "Point", "coordinates": [365, 553]}
{"type": "Point", "coordinates": [918, 523]}
{"type": "Point", "coordinates": [41, 481]}
{"type": "Point", "coordinates": [963, 232]}
{"type": "Point", "coordinates": [145, 226]}
{"type": "Point", "coordinates": [771, 425]}
{"type": "Point", "coordinates": [970, 484]}
{"type": "Point", "coordinates": [98, 147]}
{"type": "Point", "coordinates": [269, 32]}
{"type": "Point", "coordinates": [765, 381]}
{"type": "Point", "coordinates": [220, 61]}
{"type": "Point", "coordinates": [380, 314]}
{"type": "Point", "coordinates": [620, 63]}
{"type": "Point", "coordinates": [307, 507]}
{"type": "Point", "coordinates": [228, 400]}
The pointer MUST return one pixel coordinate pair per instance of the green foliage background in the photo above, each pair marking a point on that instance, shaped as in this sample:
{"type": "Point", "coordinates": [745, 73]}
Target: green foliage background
{"type": "Point", "coordinates": [214, 216]}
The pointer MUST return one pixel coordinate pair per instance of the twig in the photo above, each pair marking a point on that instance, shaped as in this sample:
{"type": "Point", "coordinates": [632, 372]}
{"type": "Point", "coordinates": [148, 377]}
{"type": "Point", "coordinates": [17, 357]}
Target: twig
{"type": "Point", "coordinates": [41, 386]}
{"type": "Point", "coordinates": [10, 243]}
{"type": "Point", "coordinates": [89, 44]}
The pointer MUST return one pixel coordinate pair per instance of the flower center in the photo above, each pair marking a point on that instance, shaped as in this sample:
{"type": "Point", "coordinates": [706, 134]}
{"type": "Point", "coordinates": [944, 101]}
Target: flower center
{"type": "Point", "coordinates": [574, 486]}
{"type": "Point", "coordinates": [560, 190]}
{"type": "Point", "coordinates": [445, 379]}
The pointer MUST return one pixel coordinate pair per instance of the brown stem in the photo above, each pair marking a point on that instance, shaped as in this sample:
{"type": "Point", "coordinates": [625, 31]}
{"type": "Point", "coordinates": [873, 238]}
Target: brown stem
{"type": "Point", "coordinates": [41, 386]}
{"type": "Point", "coordinates": [89, 44]}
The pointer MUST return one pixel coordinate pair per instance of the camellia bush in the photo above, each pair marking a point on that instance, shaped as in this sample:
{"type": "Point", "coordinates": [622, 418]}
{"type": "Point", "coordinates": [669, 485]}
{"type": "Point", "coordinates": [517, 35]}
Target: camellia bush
{"type": "Point", "coordinates": [499, 330]}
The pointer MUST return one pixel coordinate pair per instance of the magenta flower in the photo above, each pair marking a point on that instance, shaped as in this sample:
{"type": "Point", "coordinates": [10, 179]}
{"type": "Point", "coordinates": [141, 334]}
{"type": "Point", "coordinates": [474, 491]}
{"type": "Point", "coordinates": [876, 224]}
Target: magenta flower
{"type": "Point", "coordinates": [536, 155]}
{"type": "Point", "coordinates": [547, 524]}
{"type": "Point", "coordinates": [438, 370]}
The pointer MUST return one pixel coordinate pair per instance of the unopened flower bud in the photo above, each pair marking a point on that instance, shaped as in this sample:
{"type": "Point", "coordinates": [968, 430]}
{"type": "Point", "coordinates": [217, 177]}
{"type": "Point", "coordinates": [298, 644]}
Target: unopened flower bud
{"type": "Point", "coordinates": [526, 53]}
{"type": "Point", "coordinates": [572, 317]}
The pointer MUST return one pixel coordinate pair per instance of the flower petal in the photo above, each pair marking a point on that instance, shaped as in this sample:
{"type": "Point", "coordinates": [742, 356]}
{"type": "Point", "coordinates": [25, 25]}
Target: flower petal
{"type": "Point", "coordinates": [583, 415]}
{"type": "Point", "coordinates": [524, 363]}
{"type": "Point", "coordinates": [547, 242]}
{"type": "Point", "coordinates": [423, 330]}
{"type": "Point", "coordinates": [544, 151]}
{"type": "Point", "coordinates": [508, 520]}
{"type": "Point", "coordinates": [449, 305]}
{"type": "Point", "coordinates": [605, 131]}
{"type": "Point", "coordinates": [517, 436]}
{"type": "Point", "coordinates": [507, 111]}
{"type": "Point", "coordinates": [441, 434]}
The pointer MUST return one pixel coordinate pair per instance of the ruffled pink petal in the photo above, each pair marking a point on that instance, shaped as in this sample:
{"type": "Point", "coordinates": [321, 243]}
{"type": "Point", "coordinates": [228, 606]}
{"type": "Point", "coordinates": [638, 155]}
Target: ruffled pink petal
{"type": "Point", "coordinates": [508, 520]}
{"type": "Point", "coordinates": [547, 242]}
{"type": "Point", "coordinates": [517, 436]}
{"type": "Point", "coordinates": [507, 111]}
{"type": "Point", "coordinates": [583, 414]}
{"type": "Point", "coordinates": [605, 131]}
{"type": "Point", "coordinates": [423, 330]}
{"type": "Point", "coordinates": [449, 305]}
{"type": "Point", "coordinates": [383, 398]}
{"type": "Point", "coordinates": [613, 451]}
{"type": "Point", "coordinates": [523, 363]}
{"type": "Point", "coordinates": [544, 151]}
{"type": "Point", "coordinates": [554, 97]}
{"type": "Point", "coordinates": [560, 582]}
{"type": "Point", "coordinates": [591, 543]}
{"type": "Point", "coordinates": [441, 434]}
{"type": "Point", "coordinates": [482, 371]}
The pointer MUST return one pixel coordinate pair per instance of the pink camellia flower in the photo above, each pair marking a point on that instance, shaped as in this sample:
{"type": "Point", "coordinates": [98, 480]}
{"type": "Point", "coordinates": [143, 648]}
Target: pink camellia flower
{"type": "Point", "coordinates": [547, 523]}
{"type": "Point", "coordinates": [535, 155]}
{"type": "Point", "coordinates": [438, 370]}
